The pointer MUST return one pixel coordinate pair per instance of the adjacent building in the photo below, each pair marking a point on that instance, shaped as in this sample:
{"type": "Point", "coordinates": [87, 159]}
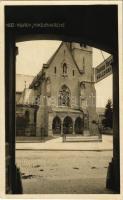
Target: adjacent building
{"type": "Point", "coordinates": [22, 104]}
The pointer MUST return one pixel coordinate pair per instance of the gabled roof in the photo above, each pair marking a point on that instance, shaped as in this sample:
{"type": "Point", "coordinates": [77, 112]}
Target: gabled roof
{"type": "Point", "coordinates": [37, 79]}
{"type": "Point", "coordinates": [52, 57]}
{"type": "Point", "coordinates": [39, 75]}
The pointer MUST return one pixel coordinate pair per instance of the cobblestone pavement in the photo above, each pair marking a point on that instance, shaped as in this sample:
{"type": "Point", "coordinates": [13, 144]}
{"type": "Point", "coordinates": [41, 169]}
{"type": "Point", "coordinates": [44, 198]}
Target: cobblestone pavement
{"type": "Point", "coordinates": [63, 172]}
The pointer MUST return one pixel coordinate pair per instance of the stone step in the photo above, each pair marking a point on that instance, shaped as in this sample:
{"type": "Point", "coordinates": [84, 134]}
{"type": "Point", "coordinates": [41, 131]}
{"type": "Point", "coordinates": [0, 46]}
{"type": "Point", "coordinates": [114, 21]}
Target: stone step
{"type": "Point", "coordinates": [81, 138]}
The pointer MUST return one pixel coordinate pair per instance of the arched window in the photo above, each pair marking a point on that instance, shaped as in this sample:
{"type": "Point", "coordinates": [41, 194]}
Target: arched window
{"type": "Point", "coordinates": [64, 68]}
{"type": "Point", "coordinates": [64, 96]}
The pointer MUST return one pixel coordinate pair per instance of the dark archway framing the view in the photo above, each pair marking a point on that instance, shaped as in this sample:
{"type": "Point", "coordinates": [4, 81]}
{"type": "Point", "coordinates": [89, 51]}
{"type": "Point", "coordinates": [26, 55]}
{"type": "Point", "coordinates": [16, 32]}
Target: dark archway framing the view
{"type": "Point", "coordinates": [94, 25]}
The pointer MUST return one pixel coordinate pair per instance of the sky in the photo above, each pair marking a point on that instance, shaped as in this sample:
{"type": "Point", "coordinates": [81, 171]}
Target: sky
{"type": "Point", "coordinates": [33, 54]}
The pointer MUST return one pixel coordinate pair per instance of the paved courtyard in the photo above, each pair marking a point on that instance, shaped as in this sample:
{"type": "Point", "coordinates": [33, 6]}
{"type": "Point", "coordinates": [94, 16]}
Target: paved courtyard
{"type": "Point", "coordinates": [64, 171]}
{"type": "Point", "coordinates": [57, 144]}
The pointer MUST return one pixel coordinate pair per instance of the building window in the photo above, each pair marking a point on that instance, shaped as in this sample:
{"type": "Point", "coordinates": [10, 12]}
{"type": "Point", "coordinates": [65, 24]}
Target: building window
{"type": "Point", "coordinates": [64, 68]}
{"type": "Point", "coordinates": [64, 96]}
{"type": "Point", "coordinates": [55, 70]}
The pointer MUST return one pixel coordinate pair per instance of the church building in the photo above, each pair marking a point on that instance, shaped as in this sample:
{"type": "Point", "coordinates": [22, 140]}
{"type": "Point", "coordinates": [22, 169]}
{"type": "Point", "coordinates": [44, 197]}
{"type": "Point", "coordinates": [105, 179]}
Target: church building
{"type": "Point", "coordinates": [62, 97]}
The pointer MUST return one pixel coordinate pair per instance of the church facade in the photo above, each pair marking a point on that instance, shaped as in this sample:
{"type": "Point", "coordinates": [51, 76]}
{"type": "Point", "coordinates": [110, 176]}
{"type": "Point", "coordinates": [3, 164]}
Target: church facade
{"type": "Point", "coordinates": [64, 96]}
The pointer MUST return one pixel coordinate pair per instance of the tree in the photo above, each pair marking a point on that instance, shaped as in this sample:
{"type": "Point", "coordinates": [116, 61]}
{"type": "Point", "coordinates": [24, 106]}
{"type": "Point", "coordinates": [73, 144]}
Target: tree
{"type": "Point", "coordinates": [108, 120]}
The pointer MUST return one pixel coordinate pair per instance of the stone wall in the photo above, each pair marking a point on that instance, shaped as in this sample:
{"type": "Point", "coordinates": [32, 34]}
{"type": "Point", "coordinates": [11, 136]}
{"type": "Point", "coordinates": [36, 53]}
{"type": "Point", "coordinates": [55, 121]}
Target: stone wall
{"type": "Point", "coordinates": [25, 127]}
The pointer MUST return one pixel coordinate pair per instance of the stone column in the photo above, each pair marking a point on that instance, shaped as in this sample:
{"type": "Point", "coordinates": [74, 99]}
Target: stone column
{"type": "Point", "coordinates": [50, 123]}
{"type": "Point", "coordinates": [42, 114]}
{"type": "Point", "coordinates": [45, 107]}
{"type": "Point", "coordinates": [62, 134]}
{"type": "Point", "coordinates": [73, 126]}
{"type": "Point", "coordinates": [62, 127]}
{"type": "Point", "coordinates": [10, 70]}
{"type": "Point", "coordinates": [113, 176]}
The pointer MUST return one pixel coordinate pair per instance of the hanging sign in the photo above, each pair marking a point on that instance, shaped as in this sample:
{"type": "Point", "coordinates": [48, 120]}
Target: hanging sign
{"type": "Point", "coordinates": [104, 69]}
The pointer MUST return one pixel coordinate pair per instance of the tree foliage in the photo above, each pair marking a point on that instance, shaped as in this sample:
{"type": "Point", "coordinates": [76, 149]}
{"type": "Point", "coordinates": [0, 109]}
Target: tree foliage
{"type": "Point", "coordinates": [108, 120]}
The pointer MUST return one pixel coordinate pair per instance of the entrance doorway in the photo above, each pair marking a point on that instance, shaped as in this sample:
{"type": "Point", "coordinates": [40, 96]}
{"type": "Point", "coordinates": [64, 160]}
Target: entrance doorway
{"type": "Point", "coordinates": [67, 125]}
{"type": "Point", "coordinates": [79, 125]}
{"type": "Point", "coordinates": [56, 126]}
